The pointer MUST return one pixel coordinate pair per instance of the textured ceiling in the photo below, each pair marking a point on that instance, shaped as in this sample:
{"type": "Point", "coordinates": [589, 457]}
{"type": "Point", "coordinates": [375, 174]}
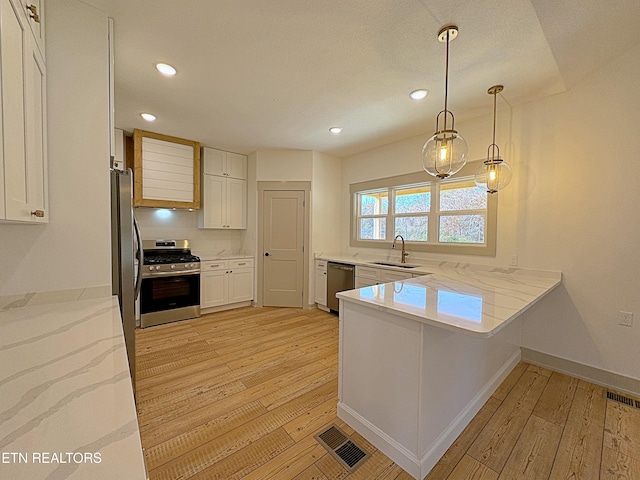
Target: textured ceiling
{"type": "Point", "coordinates": [259, 75]}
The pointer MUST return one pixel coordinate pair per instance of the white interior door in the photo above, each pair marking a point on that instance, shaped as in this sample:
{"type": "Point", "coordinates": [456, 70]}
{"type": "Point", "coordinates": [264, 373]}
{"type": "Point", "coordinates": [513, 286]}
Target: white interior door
{"type": "Point", "coordinates": [283, 243]}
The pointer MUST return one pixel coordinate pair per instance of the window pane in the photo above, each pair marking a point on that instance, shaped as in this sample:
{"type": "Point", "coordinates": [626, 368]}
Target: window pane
{"type": "Point", "coordinates": [413, 200]}
{"type": "Point", "coordinates": [461, 229]}
{"type": "Point", "coordinates": [412, 229]}
{"type": "Point", "coordinates": [373, 229]}
{"type": "Point", "coordinates": [374, 203]}
{"type": "Point", "coordinates": [462, 196]}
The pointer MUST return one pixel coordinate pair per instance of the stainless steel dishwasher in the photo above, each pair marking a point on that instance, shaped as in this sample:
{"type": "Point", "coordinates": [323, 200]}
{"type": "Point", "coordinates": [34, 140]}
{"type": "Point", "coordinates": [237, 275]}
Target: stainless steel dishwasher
{"type": "Point", "coordinates": [340, 277]}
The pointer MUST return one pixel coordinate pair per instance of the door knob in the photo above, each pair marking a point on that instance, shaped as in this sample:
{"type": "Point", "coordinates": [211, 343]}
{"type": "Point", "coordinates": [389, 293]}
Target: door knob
{"type": "Point", "coordinates": [267, 254]}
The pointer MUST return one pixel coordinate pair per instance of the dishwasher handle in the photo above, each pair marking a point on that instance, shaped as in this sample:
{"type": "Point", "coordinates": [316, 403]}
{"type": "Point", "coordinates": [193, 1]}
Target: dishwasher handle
{"type": "Point", "coordinates": [337, 266]}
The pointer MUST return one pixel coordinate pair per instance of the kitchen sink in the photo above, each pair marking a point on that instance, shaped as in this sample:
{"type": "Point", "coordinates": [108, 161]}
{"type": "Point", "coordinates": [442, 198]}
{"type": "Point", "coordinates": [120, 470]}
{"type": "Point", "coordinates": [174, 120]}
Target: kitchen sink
{"type": "Point", "coordinates": [392, 264]}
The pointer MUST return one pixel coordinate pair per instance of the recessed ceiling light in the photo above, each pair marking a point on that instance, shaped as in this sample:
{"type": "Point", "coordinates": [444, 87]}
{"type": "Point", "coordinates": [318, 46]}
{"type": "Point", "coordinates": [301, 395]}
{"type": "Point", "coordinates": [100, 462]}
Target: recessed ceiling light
{"type": "Point", "coordinates": [165, 69]}
{"type": "Point", "coordinates": [419, 94]}
{"type": "Point", "coordinates": [335, 130]}
{"type": "Point", "coordinates": [148, 117]}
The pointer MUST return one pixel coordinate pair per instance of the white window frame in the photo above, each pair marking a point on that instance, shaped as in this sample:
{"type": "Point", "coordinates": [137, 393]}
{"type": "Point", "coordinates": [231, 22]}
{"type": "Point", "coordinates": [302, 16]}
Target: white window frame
{"type": "Point", "coordinates": [391, 184]}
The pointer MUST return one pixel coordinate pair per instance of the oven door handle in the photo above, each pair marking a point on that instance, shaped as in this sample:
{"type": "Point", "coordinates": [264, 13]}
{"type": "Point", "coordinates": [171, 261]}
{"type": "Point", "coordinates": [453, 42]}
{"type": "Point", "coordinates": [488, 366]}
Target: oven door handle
{"type": "Point", "coordinates": [170, 274]}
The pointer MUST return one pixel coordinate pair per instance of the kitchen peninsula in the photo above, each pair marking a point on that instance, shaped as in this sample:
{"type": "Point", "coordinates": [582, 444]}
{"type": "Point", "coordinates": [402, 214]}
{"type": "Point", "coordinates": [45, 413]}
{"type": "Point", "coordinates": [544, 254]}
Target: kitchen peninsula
{"type": "Point", "coordinates": [419, 357]}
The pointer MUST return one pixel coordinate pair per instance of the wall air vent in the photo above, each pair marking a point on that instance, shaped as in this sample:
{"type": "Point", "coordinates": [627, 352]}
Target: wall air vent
{"type": "Point", "coordinates": [342, 448]}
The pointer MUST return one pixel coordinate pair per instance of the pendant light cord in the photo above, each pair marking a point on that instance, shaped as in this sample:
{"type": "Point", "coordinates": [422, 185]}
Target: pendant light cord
{"type": "Point", "coordinates": [495, 95]}
{"type": "Point", "coordinates": [446, 82]}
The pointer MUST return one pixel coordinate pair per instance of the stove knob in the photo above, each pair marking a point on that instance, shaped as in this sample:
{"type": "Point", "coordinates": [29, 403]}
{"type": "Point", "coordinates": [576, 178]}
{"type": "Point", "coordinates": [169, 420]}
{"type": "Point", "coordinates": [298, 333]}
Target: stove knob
{"type": "Point", "coordinates": [151, 268]}
{"type": "Point", "coordinates": [173, 266]}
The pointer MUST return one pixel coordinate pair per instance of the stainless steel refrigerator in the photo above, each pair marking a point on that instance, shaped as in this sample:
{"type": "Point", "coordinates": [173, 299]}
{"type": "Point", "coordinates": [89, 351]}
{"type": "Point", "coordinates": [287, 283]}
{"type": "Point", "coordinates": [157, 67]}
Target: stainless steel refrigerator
{"type": "Point", "coordinates": [126, 245]}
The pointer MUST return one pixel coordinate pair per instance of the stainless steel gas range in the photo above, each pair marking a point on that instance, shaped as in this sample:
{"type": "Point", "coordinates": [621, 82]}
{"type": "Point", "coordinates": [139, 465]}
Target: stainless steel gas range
{"type": "Point", "coordinates": [170, 282]}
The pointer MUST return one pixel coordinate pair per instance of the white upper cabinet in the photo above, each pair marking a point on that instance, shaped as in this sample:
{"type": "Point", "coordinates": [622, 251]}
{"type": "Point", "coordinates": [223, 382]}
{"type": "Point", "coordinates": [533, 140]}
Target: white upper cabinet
{"type": "Point", "coordinates": [224, 190]}
{"type": "Point", "coordinates": [23, 152]}
{"type": "Point", "coordinates": [224, 164]}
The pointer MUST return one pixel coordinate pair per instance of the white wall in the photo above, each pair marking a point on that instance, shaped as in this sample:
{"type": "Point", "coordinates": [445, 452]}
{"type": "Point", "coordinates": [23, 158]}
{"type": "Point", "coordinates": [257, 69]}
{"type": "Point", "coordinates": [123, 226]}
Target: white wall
{"type": "Point", "coordinates": [284, 165]}
{"type": "Point", "coordinates": [326, 204]}
{"type": "Point", "coordinates": [326, 207]}
{"type": "Point", "coordinates": [579, 213]}
{"type": "Point", "coordinates": [73, 250]}
{"type": "Point", "coordinates": [572, 206]}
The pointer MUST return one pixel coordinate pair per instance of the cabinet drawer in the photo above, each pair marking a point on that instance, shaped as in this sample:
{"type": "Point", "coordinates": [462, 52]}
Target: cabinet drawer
{"type": "Point", "coordinates": [321, 265]}
{"type": "Point", "coordinates": [214, 265]}
{"type": "Point", "coordinates": [367, 272]}
{"type": "Point", "coordinates": [387, 276]}
{"type": "Point", "coordinates": [241, 263]}
{"type": "Point", "coordinates": [364, 282]}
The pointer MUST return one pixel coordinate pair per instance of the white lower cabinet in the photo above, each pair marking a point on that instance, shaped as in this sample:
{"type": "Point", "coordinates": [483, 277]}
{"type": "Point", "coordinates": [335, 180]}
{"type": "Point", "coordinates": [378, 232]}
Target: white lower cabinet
{"type": "Point", "coordinates": [226, 282]}
{"type": "Point", "coordinates": [367, 276]}
{"type": "Point", "coordinates": [240, 284]}
{"type": "Point", "coordinates": [321, 283]}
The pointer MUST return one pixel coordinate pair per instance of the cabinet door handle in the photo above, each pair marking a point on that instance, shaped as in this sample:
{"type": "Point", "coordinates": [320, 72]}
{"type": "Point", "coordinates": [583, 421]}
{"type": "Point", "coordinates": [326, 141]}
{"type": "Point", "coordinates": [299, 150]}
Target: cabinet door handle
{"type": "Point", "coordinates": [243, 263]}
{"type": "Point", "coordinates": [267, 254]}
{"type": "Point", "coordinates": [33, 13]}
{"type": "Point", "coordinates": [38, 213]}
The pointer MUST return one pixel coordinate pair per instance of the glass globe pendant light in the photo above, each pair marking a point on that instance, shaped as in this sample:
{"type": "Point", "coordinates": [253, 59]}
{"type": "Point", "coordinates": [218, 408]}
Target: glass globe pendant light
{"type": "Point", "coordinates": [495, 173]}
{"type": "Point", "coordinates": [445, 153]}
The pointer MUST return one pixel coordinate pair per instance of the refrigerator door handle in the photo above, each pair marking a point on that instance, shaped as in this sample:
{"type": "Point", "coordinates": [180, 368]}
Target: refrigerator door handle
{"type": "Point", "coordinates": [140, 255]}
{"type": "Point", "coordinates": [139, 252]}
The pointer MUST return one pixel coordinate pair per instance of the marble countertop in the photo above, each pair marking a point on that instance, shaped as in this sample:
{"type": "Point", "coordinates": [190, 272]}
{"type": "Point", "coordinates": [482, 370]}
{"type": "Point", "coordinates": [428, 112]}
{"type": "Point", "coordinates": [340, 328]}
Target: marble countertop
{"type": "Point", "coordinates": [208, 256]}
{"type": "Point", "coordinates": [476, 300]}
{"type": "Point", "coordinates": [66, 403]}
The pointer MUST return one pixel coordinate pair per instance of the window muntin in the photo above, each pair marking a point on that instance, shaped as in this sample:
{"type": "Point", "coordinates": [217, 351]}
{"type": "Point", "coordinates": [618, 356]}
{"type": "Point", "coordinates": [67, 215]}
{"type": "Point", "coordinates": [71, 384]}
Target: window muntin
{"type": "Point", "coordinates": [373, 208]}
{"type": "Point", "coordinates": [374, 203]}
{"type": "Point", "coordinates": [466, 211]}
{"type": "Point", "coordinates": [446, 216]}
{"type": "Point", "coordinates": [411, 207]}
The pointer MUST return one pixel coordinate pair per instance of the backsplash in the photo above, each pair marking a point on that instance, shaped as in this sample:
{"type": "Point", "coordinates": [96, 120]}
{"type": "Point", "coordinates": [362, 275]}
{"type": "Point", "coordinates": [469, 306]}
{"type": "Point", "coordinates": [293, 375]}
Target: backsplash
{"type": "Point", "coordinates": [158, 223]}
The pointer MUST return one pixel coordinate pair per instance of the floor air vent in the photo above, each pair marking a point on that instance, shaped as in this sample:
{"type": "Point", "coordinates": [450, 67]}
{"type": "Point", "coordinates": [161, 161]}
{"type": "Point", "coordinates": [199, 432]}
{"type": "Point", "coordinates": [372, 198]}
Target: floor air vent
{"type": "Point", "coordinates": [342, 448]}
{"type": "Point", "coordinates": [622, 399]}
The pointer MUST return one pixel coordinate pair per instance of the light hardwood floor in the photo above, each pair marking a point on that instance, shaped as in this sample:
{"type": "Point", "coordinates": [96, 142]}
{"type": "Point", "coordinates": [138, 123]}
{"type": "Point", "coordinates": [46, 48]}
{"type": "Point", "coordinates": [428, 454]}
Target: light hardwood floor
{"type": "Point", "coordinates": [240, 394]}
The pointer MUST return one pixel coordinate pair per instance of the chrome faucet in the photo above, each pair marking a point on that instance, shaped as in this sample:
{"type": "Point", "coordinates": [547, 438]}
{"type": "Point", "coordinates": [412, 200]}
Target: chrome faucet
{"type": "Point", "coordinates": [404, 253]}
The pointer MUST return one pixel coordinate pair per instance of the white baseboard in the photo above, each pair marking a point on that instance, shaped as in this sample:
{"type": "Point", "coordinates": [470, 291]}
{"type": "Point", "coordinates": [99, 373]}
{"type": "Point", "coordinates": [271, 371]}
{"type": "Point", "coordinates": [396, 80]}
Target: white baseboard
{"type": "Point", "coordinates": [591, 374]}
{"type": "Point", "coordinates": [383, 442]}
{"type": "Point", "coordinates": [419, 467]}
{"type": "Point", "coordinates": [222, 308]}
